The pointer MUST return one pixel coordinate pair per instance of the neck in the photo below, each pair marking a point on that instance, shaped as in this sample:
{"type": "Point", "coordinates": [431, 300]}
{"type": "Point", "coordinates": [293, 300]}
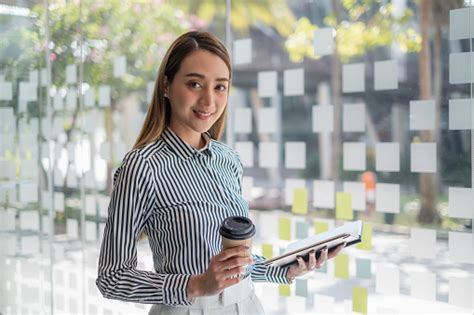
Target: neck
{"type": "Point", "coordinates": [194, 139]}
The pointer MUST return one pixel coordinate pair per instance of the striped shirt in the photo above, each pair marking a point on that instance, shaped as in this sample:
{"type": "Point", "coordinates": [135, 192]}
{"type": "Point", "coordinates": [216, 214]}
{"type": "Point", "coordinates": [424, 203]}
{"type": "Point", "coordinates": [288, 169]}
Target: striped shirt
{"type": "Point", "coordinates": [178, 196]}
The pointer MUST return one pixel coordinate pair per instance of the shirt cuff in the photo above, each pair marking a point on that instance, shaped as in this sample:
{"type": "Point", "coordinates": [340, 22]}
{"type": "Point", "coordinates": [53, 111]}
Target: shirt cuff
{"type": "Point", "coordinates": [175, 289]}
{"type": "Point", "coordinates": [278, 274]}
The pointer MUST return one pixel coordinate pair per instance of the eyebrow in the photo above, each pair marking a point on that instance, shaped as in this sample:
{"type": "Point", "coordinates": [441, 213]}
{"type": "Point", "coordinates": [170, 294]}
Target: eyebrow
{"type": "Point", "coordinates": [201, 76]}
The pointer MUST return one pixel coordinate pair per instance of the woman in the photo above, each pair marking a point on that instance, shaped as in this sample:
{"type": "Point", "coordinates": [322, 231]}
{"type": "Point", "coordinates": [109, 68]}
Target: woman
{"type": "Point", "coordinates": [177, 185]}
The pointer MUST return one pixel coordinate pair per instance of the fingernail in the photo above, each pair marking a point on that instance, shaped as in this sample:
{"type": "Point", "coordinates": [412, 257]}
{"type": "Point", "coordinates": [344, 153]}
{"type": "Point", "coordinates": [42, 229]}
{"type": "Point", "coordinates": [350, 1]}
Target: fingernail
{"type": "Point", "coordinates": [298, 257]}
{"type": "Point", "coordinates": [246, 247]}
{"type": "Point", "coordinates": [312, 252]}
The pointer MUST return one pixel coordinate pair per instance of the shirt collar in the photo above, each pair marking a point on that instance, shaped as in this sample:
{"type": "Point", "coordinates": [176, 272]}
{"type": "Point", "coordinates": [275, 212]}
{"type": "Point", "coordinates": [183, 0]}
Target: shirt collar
{"type": "Point", "coordinates": [181, 148]}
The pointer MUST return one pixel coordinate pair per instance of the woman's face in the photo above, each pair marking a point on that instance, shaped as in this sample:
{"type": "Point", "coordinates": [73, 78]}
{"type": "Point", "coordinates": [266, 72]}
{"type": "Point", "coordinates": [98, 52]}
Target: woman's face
{"type": "Point", "coordinates": [198, 95]}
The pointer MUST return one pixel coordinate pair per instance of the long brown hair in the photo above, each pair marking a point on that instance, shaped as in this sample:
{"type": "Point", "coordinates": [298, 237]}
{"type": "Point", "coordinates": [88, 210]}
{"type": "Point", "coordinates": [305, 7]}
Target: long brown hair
{"type": "Point", "coordinates": [159, 111]}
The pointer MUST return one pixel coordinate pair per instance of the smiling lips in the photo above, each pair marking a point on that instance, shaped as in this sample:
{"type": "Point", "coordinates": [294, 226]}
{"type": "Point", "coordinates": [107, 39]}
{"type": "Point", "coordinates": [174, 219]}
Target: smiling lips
{"type": "Point", "coordinates": [202, 115]}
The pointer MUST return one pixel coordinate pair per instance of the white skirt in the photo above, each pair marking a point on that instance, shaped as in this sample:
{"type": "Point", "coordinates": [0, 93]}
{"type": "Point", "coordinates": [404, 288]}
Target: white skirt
{"type": "Point", "coordinates": [237, 299]}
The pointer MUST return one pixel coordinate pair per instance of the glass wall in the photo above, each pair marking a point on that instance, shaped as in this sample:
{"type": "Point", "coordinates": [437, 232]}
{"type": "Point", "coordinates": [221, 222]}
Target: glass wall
{"type": "Point", "coordinates": [340, 111]}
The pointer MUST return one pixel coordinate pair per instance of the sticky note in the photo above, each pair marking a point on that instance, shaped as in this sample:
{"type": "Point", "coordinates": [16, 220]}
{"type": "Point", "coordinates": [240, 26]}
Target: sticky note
{"type": "Point", "coordinates": [323, 194]}
{"type": "Point", "coordinates": [323, 42]}
{"type": "Point", "coordinates": [267, 251]}
{"type": "Point", "coordinates": [7, 220]}
{"type": "Point", "coordinates": [293, 82]}
{"type": "Point", "coordinates": [301, 287]}
{"type": "Point", "coordinates": [387, 279]}
{"type": "Point", "coordinates": [423, 243]}
{"type": "Point", "coordinates": [245, 150]}
{"type": "Point", "coordinates": [71, 74]}
{"type": "Point", "coordinates": [363, 268]}
{"type": "Point", "coordinates": [422, 115]}
{"type": "Point", "coordinates": [104, 95]}
{"type": "Point", "coordinates": [28, 193]}
{"type": "Point", "coordinates": [461, 291]}
{"type": "Point", "coordinates": [344, 206]}
{"type": "Point", "coordinates": [359, 299]}
{"type": "Point", "coordinates": [423, 285]}
{"type": "Point", "coordinates": [423, 157]}
{"type": "Point", "coordinates": [322, 269]}
{"type": "Point", "coordinates": [341, 265]}
{"type": "Point", "coordinates": [461, 247]}
{"type": "Point", "coordinates": [120, 66]}
{"type": "Point", "coordinates": [28, 92]}
{"type": "Point", "coordinates": [290, 185]}
{"type": "Point", "coordinates": [320, 227]}
{"type": "Point", "coordinates": [460, 202]}
{"type": "Point", "coordinates": [103, 202]}
{"type": "Point", "coordinates": [387, 156]}
{"type": "Point", "coordinates": [89, 97]}
{"type": "Point", "coordinates": [29, 220]}
{"type": "Point", "coordinates": [45, 77]}
{"type": "Point", "coordinates": [59, 201]}
{"type": "Point", "coordinates": [284, 228]}
{"type": "Point", "coordinates": [385, 75]}
{"type": "Point", "coordinates": [353, 117]}
{"type": "Point", "coordinates": [461, 114]}
{"type": "Point", "coordinates": [30, 245]}
{"type": "Point", "coordinates": [301, 230]}
{"type": "Point", "coordinates": [247, 187]}
{"type": "Point", "coordinates": [284, 290]}
{"type": "Point", "coordinates": [268, 155]}
{"type": "Point", "coordinates": [300, 201]}
{"type": "Point", "coordinates": [459, 23]}
{"type": "Point", "coordinates": [243, 120]}
{"type": "Point", "coordinates": [357, 191]}
{"type": "Point", "coordinates": [353, 78]}
{"type": "Point", "coordinates": [354, 156]}
{"type": "Point", "coordinates": [242, 51]}
{"type": "Point", "coordinates": [6, 91]}
{"type": "Point", "coordinates": [269, 230]}
{"type": "Point", "coordinates": [461, 67]}
{"type": "Point", "coordinates": [72, 228]}
{"type": "Point", "coordinates": [267, 83]}
{"type": "Point", "coordinates": [366, 243]}
{"type": "Point", "coordinates": [90, 205]}
{"type": "Point", "coordinates": [71, 99]}
{"type": "Point", "coordinates": [267, 118]}
{"type": "Point", "coordinates": [58, 102]}
{"type": "Point", "coordinates": [295, 155]}
{"type": "Point", "coordinates": [323, 118]}
{"type": "Point", "coordinates": [387, 198]}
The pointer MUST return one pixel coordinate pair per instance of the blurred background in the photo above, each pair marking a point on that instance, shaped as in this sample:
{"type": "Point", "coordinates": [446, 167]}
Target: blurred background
{"type": "Point", "coordinates": [341, 110]}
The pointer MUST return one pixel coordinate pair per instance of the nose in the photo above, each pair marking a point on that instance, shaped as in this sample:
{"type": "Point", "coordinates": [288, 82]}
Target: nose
{"type": "Point", "coordinates": [207, 97]}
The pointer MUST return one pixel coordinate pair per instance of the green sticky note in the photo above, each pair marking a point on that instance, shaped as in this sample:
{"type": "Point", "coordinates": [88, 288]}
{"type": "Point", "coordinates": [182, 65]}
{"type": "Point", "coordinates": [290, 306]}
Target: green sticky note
{"type": "Point", "coordinates": [301, 230]}
{"type": "Point", "coordinates": [322, 269]}
{"type": "Point", "coordinates": [366, 243]}
{"type": "Point", "coordinates": [301, 287]}
{"type": "Point", "coordinates": [284, 290]}
{"type": "Point", "coordinates": [320, 227]}
{"type": "Point", "coordinates": [284, 228]}
{"type": "Point", "coordinates": [300, 201]}
{"type": "Point", "coordinates": [344, 206]}
{"type": "Point", "coordinates": [363, 268]}
{"type": "Point", "coordinates": [267, 251]}
{"type": "Point", "coordinates": [341, 263]}
{"type": "Point", "coordinates": [359, 300]}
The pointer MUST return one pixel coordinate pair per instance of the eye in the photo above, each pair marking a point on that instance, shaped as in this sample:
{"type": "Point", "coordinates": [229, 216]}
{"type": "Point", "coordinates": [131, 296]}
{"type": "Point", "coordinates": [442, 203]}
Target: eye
{"type": "Point", "coordinates": [221, 87]}
{"type": "Point", "coordinates": [194, 85]}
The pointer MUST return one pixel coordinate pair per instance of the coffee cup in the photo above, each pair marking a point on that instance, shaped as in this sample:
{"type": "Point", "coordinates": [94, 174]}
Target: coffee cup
{"type": "Point", "coordinates": [237, 231]}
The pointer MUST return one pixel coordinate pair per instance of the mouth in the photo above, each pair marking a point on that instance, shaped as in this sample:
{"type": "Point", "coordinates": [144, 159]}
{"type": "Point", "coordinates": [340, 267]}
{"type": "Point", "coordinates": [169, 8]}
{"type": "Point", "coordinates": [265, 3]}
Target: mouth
{"type": "Point", "coordinates": [202, 114]}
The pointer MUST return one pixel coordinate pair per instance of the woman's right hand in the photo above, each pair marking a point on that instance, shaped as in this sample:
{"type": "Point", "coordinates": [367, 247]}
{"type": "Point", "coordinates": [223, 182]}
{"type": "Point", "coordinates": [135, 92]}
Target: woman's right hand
{"type": "Point", "coordinates": [223, 271]}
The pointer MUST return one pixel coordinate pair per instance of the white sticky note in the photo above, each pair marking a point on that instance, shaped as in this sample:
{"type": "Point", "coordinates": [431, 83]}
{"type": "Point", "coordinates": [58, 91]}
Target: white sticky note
{"type": "Point", "coordinates": [150, 89]}
{"type": "Point", "coordinates": [91, 233]}
{"type": "Point", "coordinates": [59, 201]}
{"type": "Point", "coordinates": [7, 120]}
{"type": "Point", "coordinates": [387, 156]}
{"type": "Point", "coordinates": [461, 291]}
{"type": "Point", "coordinates": [460, 202]}
{"type": "Point", "coordinates": [323, 194]}
{"type": "Point", "coordinates": [461, 65]}
{"type": "Point", "coordinates": [71, 99]}
{"type": "Point", "coordinates": [290, 185]}
{"type": "Point", "coordinates": [295, 155]}
{"type": "Point", "coordinates": [30, 245]}
{"type": "Point", "coordinates": [120, 66]}
{"type": "Point", "coordinates": [71, 74]}
{"type": "Point", "coordinates": [243, 120]}
{"type": "Point", "coordinates": [6, 91]}
{"type": "Point", "coordinates": [247, 188]}
{"type": "Point", "coordinates": [353, 78]}
{"type": "Point", "coordinates": [29, 220]}
{"type": "Point", "coordinates": [422, 115]}
{"type": "Point", "coordinates": [7, 168]}
{"type": "Point", "coordinates": [58, 102]}
{"type": "Point", "coordinates": [423, 157]}
{"type": "Point", "coordinates": [34, 77]}
{"type": "Point", "coordinates": [461, 114]}
{"type": "Point", "coordinates": [242, 51]}
{"type": "Point", "coordinates": [7, 220]}
{"type": "Point", "coordinates": [89, 97]}
{"type": "Point", "coordinates": [28, 193]}
{"type": "Point", "coordinates": [387, 279]}
{"type": "Point", "coordinates": [267, 83]}
{"type": "Point", "coordinates": [423, 285]}
{"type": "Point", "coordinates": [293, 82]}
{"type": "Point", "coordinates": [460, 23]}
{"type": "Point", "coordinates": [385, 75]}
{"type": "Point", "coordinates": [269, 230]}
{"type": "Point", "coordinates": [323, 42]}
{"type": "Point", "coordinates": [354, 156]}
{"type": "Point", "coordinates": [323, 118]}
{"type": "Point", "coordinates": [104, 95]}
{"type": "Point", "coordinates": [44, 75]}
{"type": "Point", "coordinates": [245, 150]}
{"type": "Point", "coordinates": [461, 247]}
{"type": "Point", "coordinates": [423, 243]}
{"type": "Point", "coordinates": [267, 120]}
{"type": "Point", "coordinates": [268, 155]}
{"type": "Point", "coordinates": [357, 191]}
{"type": "Point", "coordinates": [353, 117]}
{"type": "Point", "coordinates": [28, 92]}
{"type": "Point", "coordinates": [72, 228]}
{"type": "Point", "coordinates": [103, 202]}
{"type": "Point", "coordinates": [90, 205]}
{"type": "Point", "coordinates": [387, 198]}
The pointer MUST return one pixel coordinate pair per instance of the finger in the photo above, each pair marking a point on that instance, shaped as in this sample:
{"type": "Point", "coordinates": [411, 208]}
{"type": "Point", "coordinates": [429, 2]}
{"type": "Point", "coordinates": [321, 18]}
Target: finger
{"type": "Point", "coordinates": [312, 260]}
{"type": "Point", "coordinates": [336, 251]}
{"type": "Point", "coordinates": [322, 257]}
{"type": "Point", "coordinates": [301, 263]}
{"type": "Point", "coordinates": [233, 272]}
{"type": "Point", "coordinates": [235, 262]}
{"type": "Point", "coordinates": [233, 251]}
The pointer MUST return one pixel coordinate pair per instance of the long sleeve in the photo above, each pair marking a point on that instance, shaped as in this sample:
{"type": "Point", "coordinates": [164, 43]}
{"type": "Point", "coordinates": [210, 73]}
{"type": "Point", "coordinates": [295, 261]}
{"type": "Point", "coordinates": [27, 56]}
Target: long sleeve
{"type": "Point", "coordinates": [263, 273]}
{"type": "Point", "coordinates": [132, 200]}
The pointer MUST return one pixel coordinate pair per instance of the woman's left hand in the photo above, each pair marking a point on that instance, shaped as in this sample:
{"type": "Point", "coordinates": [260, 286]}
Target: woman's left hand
{"type": "Point", "coordinates": [302, 267]}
